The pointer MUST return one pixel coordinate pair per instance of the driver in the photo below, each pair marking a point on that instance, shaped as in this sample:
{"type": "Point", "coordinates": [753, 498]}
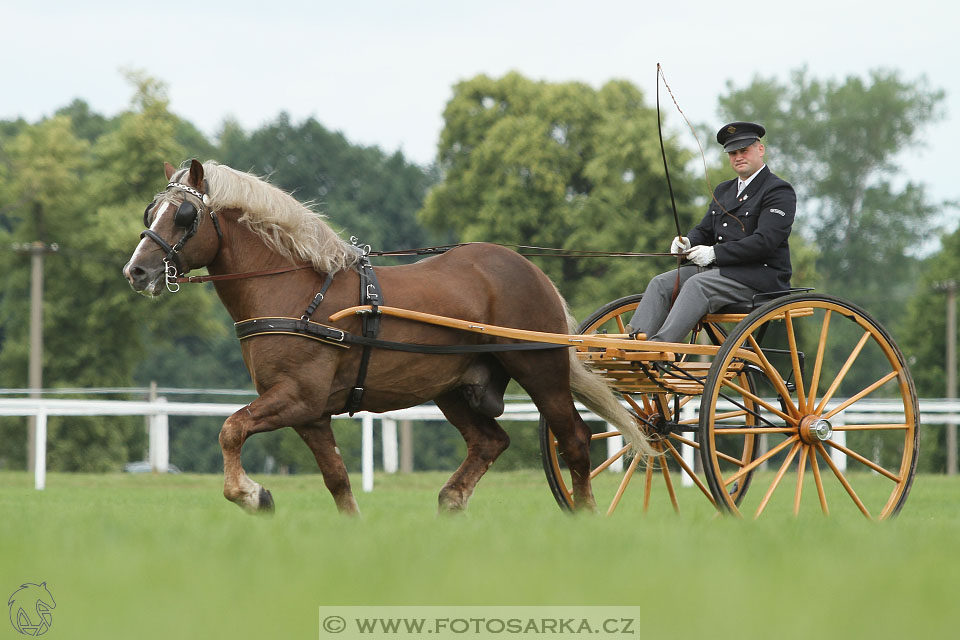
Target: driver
{"type": "Point", "coordinates": [738, 250]}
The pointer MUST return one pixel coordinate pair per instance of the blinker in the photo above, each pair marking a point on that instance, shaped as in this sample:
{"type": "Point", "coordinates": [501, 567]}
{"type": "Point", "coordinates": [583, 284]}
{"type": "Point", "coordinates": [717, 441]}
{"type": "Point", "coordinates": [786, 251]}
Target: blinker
{"type": "Point", "coordinates": [146, 213]}
{"type": "Point", "coordinates": [186, 215]}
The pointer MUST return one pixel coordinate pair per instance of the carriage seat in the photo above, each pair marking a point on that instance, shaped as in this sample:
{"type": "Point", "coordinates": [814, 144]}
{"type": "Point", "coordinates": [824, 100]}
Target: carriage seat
{"type": "Point", "coordinates": [736, 312]}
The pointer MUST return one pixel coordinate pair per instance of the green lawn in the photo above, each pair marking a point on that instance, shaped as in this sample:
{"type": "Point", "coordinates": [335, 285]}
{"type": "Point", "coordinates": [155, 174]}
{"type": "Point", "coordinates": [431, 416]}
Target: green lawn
{"type": "Point", "coordinates": [142, 556]}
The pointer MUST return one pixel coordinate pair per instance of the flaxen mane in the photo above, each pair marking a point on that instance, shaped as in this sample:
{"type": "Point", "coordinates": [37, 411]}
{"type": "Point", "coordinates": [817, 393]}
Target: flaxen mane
{"type": "Point", "coordinates": [288, 226]}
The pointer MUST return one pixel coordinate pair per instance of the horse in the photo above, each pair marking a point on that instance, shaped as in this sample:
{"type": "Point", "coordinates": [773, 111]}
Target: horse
{"type": "Point", "coordinates": [269, 255]}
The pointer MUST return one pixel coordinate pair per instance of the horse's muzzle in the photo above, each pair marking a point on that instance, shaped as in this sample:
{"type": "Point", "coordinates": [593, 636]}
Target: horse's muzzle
{"type": "Point", "coordinates": [149, 282]}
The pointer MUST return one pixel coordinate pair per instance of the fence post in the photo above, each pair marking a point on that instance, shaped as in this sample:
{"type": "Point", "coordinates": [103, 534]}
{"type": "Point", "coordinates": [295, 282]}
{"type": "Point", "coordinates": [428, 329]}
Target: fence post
{"type": "Point", "coordinates": [366, 452]}
{"type": "Point", "coordinates": [614, 444]}
{"type": "Point", "coordinates": [406, 446]}
{"type": "Point", "coordinates": [40, 451]}
{"type": "Point", "coordinates": [159, 446]}
{"type": "Point", "coordinates": [840, 437]}
{"type": "Point", "coordinates": [391, 458]}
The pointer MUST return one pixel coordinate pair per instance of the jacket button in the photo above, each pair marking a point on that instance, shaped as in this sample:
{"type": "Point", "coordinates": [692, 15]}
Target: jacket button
{"type": "Point", "coordinates": [724, 224]}
{"type": "Point", "coordinates": [719, 237]}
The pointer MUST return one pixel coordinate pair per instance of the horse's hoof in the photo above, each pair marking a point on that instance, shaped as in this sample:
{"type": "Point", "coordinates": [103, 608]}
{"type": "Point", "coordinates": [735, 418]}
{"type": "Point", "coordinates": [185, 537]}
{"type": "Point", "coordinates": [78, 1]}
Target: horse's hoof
{"type": "Point", "coordinates": [265, 502]}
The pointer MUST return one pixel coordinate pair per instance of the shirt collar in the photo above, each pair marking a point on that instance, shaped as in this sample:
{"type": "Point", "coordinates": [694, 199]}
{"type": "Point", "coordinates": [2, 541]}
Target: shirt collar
{"type": "Point", "coordinates": [742, 184]}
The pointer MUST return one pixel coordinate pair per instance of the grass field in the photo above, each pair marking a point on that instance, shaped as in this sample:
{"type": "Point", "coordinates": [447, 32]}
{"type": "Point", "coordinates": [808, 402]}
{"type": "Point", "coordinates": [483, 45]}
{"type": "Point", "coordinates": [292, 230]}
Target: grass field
{"type": "Point", "coordinates": [143, 556]}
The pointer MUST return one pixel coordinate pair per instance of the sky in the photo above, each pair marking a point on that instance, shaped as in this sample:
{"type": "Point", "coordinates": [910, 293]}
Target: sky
{"type": "Point", "coordinates": [381, 72]}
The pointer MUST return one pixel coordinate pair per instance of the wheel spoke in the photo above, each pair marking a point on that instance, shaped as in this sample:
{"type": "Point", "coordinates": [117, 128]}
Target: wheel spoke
{"type": "Point", "coordinates": [686, 441]}
{"type": "Point", "coordinates": [720, 416]}
{"type": "Point", "coordinates": [757, 399]}
{"type": "Point", "coordinates": [609, 461]}
{"type": "Point", "coordinates": [603, 435]}
{"type": "Point", "coordinates": [893, 426]}
{"type": "Point", "coordinates": [776, 480]}
{"type": "Point", "coordinates": [647, 405]}
{"type": "Point", "coordinates": [818, 363]}
{"type": "Point", "coordinates": [633, 404]}
{"type": "Point", "coordinates": [693, 476]}
{"type": "Point", "coordinates": [846, 485]}
{"type": "Point", "coordinates": [760, 460]}
{"type": "Point", "coordinates": [819, 481]}
{"type": "Point", "coordinates": [719, 454]}
{"type": "Point", "coordinates": [774, 376]}
{"type": "Point", "coordinates": [801, 467]}
{"type": "Point", "coordinates": [623, 483]}
{"type": "Point", "coordinates": [860, 395]}
{"type": "Point", "coordinates": [666, 478]}
{"type": "Point", "coordinates": [843, 372]}
{"type": "Point", "coordinates": [864, 461]}
{"type": "Point", "coordinates": [795, 359]}
{"type": "Point", "coordinates": [647, 484]}
{"type": "Point", "coordinates": [753, 430]}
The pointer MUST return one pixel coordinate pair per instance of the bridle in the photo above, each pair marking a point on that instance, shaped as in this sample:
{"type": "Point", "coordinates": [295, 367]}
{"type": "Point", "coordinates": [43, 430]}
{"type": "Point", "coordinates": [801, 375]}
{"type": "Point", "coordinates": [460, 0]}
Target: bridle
{"type": "Point", "coordinates": [187, 217]}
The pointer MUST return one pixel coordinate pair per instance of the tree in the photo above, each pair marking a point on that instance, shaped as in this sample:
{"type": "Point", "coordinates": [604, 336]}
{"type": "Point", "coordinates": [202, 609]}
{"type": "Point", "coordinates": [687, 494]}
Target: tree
{"type": "Point", "coordinates": [560, 165]}
{"type": "Point", "coordinates": [837, 143]}
{"type": "Point", "coordinates": [58, 188]}
{"type": "Point", "coordinates": [922, 336]}
{"type": "Point", "coordinates": [363, 191]}
{"type": "Point", "coordinates": [923, 329]}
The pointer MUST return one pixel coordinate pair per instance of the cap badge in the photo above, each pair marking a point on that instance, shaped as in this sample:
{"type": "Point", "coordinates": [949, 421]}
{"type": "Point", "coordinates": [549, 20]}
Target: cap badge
{"type": "Point", "coordinates": [731, 129]}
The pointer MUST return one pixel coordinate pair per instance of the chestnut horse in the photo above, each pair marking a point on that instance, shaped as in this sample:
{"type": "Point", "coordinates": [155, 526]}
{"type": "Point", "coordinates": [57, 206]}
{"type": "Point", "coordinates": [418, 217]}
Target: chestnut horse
{"type": "Point", "coordinates": [234, 223]}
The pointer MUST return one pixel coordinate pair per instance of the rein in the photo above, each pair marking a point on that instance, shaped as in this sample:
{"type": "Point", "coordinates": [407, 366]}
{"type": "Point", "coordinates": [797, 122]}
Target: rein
{"type": "Point", "coordinates": [524, 250]}
{"type": "Point", "coordinates": [245, 274]}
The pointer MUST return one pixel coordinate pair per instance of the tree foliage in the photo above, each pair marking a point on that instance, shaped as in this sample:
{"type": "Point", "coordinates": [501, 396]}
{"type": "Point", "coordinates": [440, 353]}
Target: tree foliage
{"type": "Point", "coordinates": [60, 188]}
{"type": "Point", "coordinates": [560, 165]}
{"type": "Point", "coordinates": [923, 329]}
{"type": "Point", "coordinates": [838, 142]}
{"type": "Point", "coordinates": [364, 192]}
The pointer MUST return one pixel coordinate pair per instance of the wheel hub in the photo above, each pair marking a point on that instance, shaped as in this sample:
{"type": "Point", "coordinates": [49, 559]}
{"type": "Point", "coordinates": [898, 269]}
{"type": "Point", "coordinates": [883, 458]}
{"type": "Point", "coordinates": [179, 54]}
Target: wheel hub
{"type": "Point", "coordinates": [815, 429]}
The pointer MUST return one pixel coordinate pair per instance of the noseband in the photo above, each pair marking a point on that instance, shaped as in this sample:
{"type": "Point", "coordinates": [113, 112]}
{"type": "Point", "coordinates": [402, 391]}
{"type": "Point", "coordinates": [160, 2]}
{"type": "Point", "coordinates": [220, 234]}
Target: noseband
{"type": "Point", "coordinates": [188, 217]}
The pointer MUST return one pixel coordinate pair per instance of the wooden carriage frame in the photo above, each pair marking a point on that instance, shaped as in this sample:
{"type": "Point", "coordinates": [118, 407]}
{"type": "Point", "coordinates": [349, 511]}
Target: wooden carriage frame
{"type": "Point", "coordinates": [751, 369]}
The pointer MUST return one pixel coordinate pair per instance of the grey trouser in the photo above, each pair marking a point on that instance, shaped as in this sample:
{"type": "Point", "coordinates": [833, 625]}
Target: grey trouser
{"type": "Point", "coordinates": [702, 291]}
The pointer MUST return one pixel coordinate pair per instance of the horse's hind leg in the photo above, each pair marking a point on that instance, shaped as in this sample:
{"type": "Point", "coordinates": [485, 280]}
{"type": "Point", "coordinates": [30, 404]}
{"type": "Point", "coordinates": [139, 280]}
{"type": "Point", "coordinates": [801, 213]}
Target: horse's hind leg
{"type": "Point", "coordinates": [546, 377]}
{"type": "Point", "coordinates": [485, 439]}
{"type": "Point", "coordinates": [320, 439]}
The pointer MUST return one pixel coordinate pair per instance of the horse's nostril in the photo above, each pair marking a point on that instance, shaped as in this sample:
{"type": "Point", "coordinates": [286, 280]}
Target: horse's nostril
{"type": "Point", "coordinates": [133, 274]}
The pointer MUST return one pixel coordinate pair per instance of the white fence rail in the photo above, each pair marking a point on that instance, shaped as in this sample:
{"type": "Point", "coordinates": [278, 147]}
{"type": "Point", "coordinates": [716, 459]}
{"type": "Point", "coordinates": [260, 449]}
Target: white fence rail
{"type": "Point", "coordinates": [932, 412]}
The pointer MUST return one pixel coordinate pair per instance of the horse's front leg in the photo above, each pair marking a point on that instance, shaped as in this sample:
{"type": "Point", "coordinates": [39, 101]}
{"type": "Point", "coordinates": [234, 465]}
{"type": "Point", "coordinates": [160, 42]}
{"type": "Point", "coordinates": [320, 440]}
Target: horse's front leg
{"type": "Point", "coordinates": [319, 437]}
{"type": "Point", "coordinates": [270, 411]}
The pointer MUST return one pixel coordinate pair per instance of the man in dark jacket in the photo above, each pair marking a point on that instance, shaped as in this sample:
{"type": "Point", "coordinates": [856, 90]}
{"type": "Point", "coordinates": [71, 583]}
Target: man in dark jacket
{"type": "Point", "coordinates": [739, 249]}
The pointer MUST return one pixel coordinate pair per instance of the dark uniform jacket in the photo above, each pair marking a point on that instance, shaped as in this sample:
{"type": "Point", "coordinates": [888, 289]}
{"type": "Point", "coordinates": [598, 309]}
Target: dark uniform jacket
{"type": "Point", "coordinates": [751, 243]}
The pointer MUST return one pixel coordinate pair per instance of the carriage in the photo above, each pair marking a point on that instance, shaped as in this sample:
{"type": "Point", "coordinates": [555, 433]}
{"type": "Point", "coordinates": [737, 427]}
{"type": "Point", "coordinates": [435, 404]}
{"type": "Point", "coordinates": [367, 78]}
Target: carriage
{"type": "Point", "coordinates": [803, 381]}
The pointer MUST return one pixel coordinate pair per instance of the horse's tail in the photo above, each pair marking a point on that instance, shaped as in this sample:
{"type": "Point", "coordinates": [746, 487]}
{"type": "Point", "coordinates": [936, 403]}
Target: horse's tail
{"type": "Point", "coordinates": [590, 389]}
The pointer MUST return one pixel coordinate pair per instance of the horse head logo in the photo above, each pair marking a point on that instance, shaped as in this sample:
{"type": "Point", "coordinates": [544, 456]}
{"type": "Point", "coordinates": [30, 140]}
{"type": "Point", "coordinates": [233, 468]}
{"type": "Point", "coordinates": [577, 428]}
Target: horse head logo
{"type": "Point", "coordinates": [30, 609]}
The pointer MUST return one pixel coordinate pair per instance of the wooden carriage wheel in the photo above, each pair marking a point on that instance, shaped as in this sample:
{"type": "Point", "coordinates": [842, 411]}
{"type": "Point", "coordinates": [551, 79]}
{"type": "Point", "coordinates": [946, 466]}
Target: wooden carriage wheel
{"type": "Point", "coordinates": [638, 479]}
{"type": "Point", "coordinates": [834, 400]}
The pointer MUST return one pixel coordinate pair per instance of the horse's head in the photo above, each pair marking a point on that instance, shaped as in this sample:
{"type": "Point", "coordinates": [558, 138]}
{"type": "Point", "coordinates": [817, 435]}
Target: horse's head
{"type": "Point", "coordinates": [176, 239]}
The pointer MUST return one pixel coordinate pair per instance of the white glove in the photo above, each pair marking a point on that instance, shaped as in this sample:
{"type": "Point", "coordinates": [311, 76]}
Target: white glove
{"type": "Point", "coordinates": [680, 245]}
{"type": "Point", "coordinates": [701, 255]}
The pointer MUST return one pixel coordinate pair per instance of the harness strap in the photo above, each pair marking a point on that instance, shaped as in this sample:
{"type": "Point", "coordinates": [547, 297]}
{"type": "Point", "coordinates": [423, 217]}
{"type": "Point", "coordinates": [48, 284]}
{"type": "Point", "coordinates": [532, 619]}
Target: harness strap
{"type": "Point", "coordinates": [370, 294]}
{"type": "Point", "coordinates": [338, 337]}
{"type": "Point", "coordinates": [317, 299]}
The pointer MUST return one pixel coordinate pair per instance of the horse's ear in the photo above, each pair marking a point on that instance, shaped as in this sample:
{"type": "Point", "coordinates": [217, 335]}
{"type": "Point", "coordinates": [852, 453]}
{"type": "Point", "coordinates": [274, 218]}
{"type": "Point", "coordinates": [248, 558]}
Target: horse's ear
{"type": "Point", "coordinates": [196, 172]}
{"type": "Point", "coordinates": [169, 169]}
